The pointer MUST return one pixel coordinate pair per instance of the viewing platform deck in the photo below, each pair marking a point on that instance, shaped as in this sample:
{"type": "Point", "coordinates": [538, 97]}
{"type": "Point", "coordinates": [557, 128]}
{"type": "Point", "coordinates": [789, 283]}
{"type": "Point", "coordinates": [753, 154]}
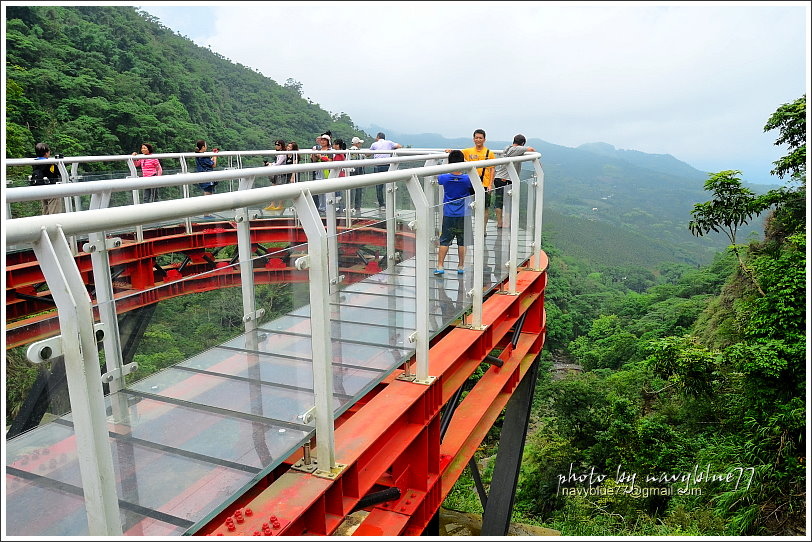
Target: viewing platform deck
{"type": "Point", "coordinates": [196, 441]}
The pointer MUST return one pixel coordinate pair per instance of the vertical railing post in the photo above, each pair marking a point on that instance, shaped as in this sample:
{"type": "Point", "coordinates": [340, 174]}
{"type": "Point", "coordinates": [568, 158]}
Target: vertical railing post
{"type": "Point", "coordinates": [428, 185]}
{"type": "Point", "coordinates": [98, 246]}
{"type": "Point", "coordinates": [243, 218]}
{"type": "Point", "coordinates": [423, 232]}
{"type": "Point", "coordinates": [185, 191]}
{"type": "Point", "coordinates": [432, 190]}
{"type": "Point", "coordinates": [68, 202]}
{"type": "Point", "coordinates": [74, 175]}
{"type": "Point", "coordinates": [539, 190]}
{"type": "Point", "coordinates": [515, 197]}
{"type": "Point", "coordinates": [78, 343]}
{"type": "Point", "coordinates": [478, 258]}
{"type": "Point", "coordinates": [391, 225]}
{"type": "Point", "coordinates": [332, 235]}
{"type": "Point", "coordinates": [321, 334]}
{"type": "Point", "coordinates": [139, 229]}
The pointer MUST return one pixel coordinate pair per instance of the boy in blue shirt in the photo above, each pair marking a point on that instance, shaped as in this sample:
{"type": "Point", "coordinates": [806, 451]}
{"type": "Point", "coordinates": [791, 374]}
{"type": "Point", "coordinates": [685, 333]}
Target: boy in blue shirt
{"type": "Point", "coordinates": [456, 213]}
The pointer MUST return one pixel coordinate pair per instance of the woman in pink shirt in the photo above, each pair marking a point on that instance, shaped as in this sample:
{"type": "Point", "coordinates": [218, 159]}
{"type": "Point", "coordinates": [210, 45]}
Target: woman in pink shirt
{"type": "Point", "coordinates": [149, 168]}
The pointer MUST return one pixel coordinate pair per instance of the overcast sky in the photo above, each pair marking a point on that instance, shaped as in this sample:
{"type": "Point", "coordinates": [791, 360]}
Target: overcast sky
{"type": "Point", "coordinates": [694, 80]}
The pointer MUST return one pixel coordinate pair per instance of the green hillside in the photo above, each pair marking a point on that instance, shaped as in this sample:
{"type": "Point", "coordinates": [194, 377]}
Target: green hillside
{"type": "Point", "coordinates": [102, 80]}
{"type": "Point", "coordinates": [610, 245]}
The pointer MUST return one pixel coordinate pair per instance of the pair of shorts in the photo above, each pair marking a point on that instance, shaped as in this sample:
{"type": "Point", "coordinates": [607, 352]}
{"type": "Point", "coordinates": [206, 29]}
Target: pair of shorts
{"type": "Point", "coordinates": [207, 187]}
{"type": "Point", "coordinates": [499, 192]}
{"type": "Point", "coordinates": [459, 228]}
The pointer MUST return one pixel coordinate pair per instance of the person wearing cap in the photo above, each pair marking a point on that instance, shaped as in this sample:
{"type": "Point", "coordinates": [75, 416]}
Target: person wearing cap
{"type": "Point", "coordinates": [324, 144]}
{"type": "Point", "coordinates": [357, 193]}
{"type": "Point", "coordinates": [382, 144]}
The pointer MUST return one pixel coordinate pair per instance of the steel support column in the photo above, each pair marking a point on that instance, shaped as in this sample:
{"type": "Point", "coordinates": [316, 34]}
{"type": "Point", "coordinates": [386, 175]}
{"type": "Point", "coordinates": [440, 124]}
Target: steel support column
{"type": "Point", "coordinates": [82, 368]}
{"type": "Point", "coordinates": [496, 517]}
{"type": "Point", "coordinates": [422, 227]}
{"type": "Point", "coordinates": [535, 257]}
{"type": "Point", "coordinates": [321, 335]}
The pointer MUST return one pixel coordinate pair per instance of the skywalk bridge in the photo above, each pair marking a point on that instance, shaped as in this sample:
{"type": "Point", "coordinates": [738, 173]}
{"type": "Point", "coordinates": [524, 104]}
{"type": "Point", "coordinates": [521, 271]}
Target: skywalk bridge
{"type": "Point", "coordinates": [337, 390]}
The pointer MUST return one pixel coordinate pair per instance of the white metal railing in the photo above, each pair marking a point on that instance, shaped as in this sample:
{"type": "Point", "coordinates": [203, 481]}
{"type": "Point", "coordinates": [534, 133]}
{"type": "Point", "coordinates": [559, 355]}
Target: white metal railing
{"type": "Point", "coordinates": [48, 236]}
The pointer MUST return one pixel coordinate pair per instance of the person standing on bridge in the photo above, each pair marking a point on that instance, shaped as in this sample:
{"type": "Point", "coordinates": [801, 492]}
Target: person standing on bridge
{"type": "Point", "coordinates": [280, 160]}
{"type": "Point", "coordinates": [456, 214]}
{"type": "Point", "coordinates": [480, 152]}
{"type": "Point", "coordinates": [357, 193]}
{"type": "Point", "coordinates": [382, 144]}
{"type": "Point", "coordinates": [501, 179]}
{"type": "Point", "coordinates": [324, 144]}
{"type": "Point", "coordinates": [293, 158]}
{"type": "Point", "coordinates": [205, 163]}
{"type": "Point", "coordinates": [150, 167]}
{"type": "Point", "coordinates": [43, 174]}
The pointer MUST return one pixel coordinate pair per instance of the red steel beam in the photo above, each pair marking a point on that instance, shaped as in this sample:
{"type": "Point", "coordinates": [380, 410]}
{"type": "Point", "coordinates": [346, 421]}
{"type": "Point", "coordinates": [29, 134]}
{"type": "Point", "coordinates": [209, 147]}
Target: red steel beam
{"type": "Point", "coordinates": [46, 324]}
{"type": "Point", "coordinates": [29, 319]}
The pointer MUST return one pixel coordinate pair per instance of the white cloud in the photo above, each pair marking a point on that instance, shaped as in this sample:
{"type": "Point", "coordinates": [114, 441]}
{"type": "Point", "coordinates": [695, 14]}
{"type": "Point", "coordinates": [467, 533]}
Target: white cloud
{"type": "Point", "coordinates": [695, 80]}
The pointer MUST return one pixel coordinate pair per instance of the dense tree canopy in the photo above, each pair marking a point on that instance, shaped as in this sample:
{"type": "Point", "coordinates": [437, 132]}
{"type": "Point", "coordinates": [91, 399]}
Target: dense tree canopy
{"type": "Point", "coordinates": [93, 80]}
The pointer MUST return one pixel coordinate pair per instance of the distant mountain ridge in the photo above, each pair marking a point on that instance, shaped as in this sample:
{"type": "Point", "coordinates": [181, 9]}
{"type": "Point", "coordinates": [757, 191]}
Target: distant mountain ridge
{"type": "Point", "coordinates": [594, 191]}
{"type": "Point", "coordinates": [664, 163]}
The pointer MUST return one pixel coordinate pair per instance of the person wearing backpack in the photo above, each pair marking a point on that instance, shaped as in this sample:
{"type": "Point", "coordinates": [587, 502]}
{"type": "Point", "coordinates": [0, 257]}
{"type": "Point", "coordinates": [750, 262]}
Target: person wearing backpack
{"type": "Point", "coordinates": [43, 174]}
{"type": "Point", "coordinates": [480, 152]}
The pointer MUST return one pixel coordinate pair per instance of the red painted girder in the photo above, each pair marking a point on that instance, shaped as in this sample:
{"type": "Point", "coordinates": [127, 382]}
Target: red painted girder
{"type": "Point", "coordinates": [471, 422]}
{"type": "Point", "coordinates": [469, 426]}
{"type": "Point", "coordinates": [40, 326]}
{"type": "Point", "coordinates": [26, 272]}
{"type": "Point", "coordinates": [405, 417]}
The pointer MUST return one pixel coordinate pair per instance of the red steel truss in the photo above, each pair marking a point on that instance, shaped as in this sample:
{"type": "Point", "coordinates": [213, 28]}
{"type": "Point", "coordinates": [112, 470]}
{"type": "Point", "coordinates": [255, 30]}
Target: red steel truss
{"type": "Point", "coordinates": [29, 314]}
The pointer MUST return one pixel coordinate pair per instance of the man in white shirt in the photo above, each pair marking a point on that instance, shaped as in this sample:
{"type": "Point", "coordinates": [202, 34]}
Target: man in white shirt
{"type": "Point", "coordinates": [382, 144]}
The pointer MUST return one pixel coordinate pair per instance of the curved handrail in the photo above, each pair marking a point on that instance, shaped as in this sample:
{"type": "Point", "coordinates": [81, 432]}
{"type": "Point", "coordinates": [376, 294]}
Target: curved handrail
{"type": "Point", "coordinates": [28, 229]}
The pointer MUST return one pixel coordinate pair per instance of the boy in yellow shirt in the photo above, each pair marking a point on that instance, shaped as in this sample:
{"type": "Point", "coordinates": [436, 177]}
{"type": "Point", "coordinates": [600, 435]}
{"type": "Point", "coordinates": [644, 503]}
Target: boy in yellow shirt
{"type": "Point", "coordinates": [480, 152]}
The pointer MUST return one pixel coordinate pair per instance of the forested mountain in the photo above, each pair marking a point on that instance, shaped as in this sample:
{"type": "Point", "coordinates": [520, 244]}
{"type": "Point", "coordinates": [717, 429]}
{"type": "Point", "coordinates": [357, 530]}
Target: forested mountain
{"type": "Point", "coordinates": [664, 163]}
{"type": "Point", "coordinates": [102, 80]}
